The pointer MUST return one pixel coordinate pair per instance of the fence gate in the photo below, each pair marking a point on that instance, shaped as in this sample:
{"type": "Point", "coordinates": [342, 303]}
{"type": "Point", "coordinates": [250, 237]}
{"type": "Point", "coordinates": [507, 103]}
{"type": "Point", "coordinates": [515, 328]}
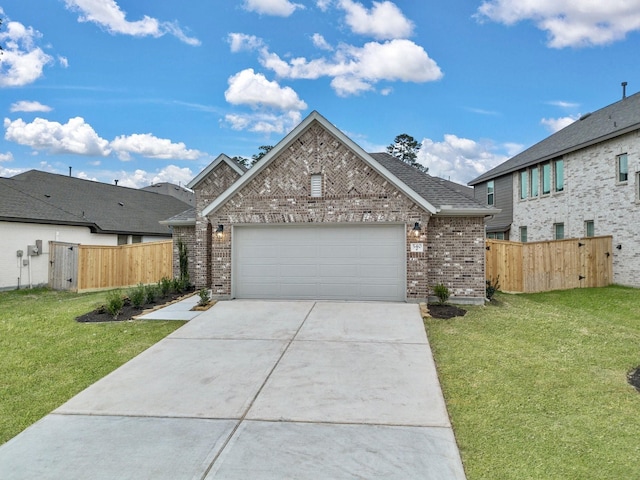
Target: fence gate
{"type": "Point", "coordinates": [63, 265]}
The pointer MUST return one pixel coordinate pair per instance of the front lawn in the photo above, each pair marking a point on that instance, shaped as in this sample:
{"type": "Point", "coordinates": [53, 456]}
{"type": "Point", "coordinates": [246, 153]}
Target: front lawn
{"type": "Point", "coordinates": [46, 357]}
{"type": "Point", "coordinates": [536, 384]}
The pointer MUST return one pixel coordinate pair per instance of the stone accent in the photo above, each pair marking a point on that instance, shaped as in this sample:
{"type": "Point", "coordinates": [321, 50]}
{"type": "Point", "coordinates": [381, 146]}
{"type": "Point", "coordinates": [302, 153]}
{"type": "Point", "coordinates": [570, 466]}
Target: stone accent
{"type": "Point", "coordinates": [456, 255]}
{"type": "Point", "coordinates": [352, 192]}
{"type": "Point", "coordinates": [592, 192]}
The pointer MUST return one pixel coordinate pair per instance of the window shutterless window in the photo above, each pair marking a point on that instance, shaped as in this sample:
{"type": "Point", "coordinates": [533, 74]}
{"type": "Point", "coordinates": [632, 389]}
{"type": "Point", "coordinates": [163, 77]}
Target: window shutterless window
{"type": "Point", "coordinates": [524, 187]}
{"type": "Point", "coordinates": [546, 178]}
{"type": "Point", "coordinates": [523, 234]}
{"type": "Point", "coordinates": [589, 229]}
{"type": "Point", "coordinates": [490, 192]}
{"type": "Point", "coordinates": [558, 167]}
{"type": "Point", "coordinates": [558, 231]}
{"type": "Point", "coordinates": [535, 182]}
{"type": "Point", "coordinates": [622, 167]}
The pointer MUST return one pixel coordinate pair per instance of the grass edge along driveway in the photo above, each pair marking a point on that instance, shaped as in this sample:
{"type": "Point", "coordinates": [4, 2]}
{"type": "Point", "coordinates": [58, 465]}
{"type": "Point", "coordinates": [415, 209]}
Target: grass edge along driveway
{"type": "Point", "coordinates": [536, 384]}
{"type": "Point", "coordinates": [46, 357]}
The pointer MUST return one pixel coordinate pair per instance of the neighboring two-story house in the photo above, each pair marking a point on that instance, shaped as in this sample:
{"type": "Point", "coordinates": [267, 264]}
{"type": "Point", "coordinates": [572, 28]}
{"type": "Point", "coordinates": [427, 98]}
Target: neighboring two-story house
{"type": "Point", "coordinates": [582, 181]}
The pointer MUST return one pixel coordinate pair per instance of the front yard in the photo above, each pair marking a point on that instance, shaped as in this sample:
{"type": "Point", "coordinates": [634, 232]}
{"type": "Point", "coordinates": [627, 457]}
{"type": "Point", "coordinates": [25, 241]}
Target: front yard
{"type": "Point", "coordinates": [536, 384]}
{"type": "Point", "coordinates": [46, 357]}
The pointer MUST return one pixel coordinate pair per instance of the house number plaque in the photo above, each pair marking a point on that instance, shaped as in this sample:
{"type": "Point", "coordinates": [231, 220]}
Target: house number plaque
{"type": "Point", "coordinates": [417, 247]}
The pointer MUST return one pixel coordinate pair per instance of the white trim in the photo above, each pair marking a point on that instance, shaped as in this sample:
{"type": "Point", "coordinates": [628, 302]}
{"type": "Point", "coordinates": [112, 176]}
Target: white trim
{"type": "Point", "coordinates": [221, 158]}
{"type": "Point", "coordinates": [268, 158]}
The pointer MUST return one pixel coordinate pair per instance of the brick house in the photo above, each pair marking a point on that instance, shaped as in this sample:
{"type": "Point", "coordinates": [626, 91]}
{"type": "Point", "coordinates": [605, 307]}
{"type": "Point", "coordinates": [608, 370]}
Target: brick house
{"type": "Point", "coordinates": [318, 217]}
{"type": "Point", "coordinates": [582, 181]}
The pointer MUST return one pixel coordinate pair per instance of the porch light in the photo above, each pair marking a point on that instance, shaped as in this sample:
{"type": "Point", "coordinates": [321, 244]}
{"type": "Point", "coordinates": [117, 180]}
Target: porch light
{"type": "Point", "coordinates": [416, 229]}
{"type": "Point", "coordinates": [219, 230]}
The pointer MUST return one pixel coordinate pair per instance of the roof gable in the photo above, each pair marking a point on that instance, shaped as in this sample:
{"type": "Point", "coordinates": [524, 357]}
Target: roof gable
{"type": "Point", "coordinates": [609, 122]}
{"type": "Point", "coordinates": [293, 136]}
{"type": "Point", "coordinates": [222, 158]}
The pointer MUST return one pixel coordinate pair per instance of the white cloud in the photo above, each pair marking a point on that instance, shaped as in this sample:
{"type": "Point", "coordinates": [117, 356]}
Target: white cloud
{"type": "Point", "coordinates": [320, 42]}
{"type": "Point", "coordinates": [278, 8]}
{"type": "Point", "coordinates": [75, 136]}
{"type": "Point", "coordinates": [10, 172]}
{"type": "Point", "coordinates": [141, 178]}
{"type": "Point", "coordinates": [150, 146]}
{"type": "Point", "coordinates": [107, 14]}
{"type": "Point", "coordinates": [556, 124]}
{"type": "Point", "coordinates": [355, 69]}
{"type": "Point", "coordinates": [461, 159]}
{"type": "Point", "coordinates": [253, 89]}
{"type": "Point", "coordinates": [22, 61]}
{"type": "Point", "coordinates": [266, 123]}
{"type": "Point", "coordinates": [242, 41]}
{"type": "Point", "coordinates": [27, 106]}
{"type": "Point", "coordinates": [563, 104]}
{"type": "Point", "coordinates": [323, 4]}
{"type": "Point", "coordinates": [6, 157]}
{"type": "Point", "coordinates": [383, 21]}
{"type": "Point", "coordinates": [569, 23]}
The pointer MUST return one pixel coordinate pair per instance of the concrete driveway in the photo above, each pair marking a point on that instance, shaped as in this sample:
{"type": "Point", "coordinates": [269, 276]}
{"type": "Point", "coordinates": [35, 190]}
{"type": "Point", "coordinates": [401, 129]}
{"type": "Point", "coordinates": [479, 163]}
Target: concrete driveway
{"type": "Point", "coordinates": [259, 390]}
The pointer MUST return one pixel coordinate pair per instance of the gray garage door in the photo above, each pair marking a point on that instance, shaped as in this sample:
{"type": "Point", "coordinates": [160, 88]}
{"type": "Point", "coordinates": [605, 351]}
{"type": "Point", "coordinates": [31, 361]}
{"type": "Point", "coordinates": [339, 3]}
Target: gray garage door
{"type": "Point", "coordinates": [320, 262]}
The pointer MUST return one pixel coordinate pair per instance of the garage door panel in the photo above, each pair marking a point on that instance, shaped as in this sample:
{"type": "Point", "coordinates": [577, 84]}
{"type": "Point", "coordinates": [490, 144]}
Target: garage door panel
{"type": "Point", "coordinates": [322, 262]}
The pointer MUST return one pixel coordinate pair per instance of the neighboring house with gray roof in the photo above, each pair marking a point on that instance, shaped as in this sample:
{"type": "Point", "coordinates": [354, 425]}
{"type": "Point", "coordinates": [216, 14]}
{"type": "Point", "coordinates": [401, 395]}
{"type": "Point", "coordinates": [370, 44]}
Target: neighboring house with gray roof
{"type": "Point", "coordinates": [47, 207]}
{"type": "Point", "coordinates": [319, 218]}
{"type": "Point", "coordinates": [581, 181]}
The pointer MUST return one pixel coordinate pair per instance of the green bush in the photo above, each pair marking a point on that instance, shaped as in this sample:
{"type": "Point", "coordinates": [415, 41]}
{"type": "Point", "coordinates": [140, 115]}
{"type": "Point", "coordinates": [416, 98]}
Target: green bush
{"type": "Point", "coordinates": [205, 297]}
{"type": "Point", "coordinates": [164, 286]}
{"type": "Point", "coordinates": [115, 302]}
{"type": "Point", "coordinates": [180, 285]}
{"type": "Point", "coordinates": [150, 293]}
{"type": "Point", "coordinates": [442, 293]}
{"type": "Point", "coordinates": [183, 259]}
{"type": "Point", "coordinates": [492, 287]}
{"type": "Point", "coordinates": [137, 296]}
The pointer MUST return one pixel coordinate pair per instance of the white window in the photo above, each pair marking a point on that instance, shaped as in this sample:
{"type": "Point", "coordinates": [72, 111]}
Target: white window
{"type": "Point", "coordinates": [558, 167]}
{"type": "Point", "coordinates": [558, 231]}
{"type": "Point", "coordinates": [490, 192]}
{"type": "Point", "coordinates": [524, 185]}
{"type": "Point", "coordinates": [523, 234]}
{"type": "Point", "coordinates": [589, 228]}
{"type": "Point", "coordinates": [622, 163]}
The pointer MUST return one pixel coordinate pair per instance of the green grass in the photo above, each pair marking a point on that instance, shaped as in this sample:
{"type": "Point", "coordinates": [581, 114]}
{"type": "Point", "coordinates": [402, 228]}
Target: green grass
{"type": "Point", "coordinates": [46, 357]}
{"type": "Point", "coordinates": [536, 385]}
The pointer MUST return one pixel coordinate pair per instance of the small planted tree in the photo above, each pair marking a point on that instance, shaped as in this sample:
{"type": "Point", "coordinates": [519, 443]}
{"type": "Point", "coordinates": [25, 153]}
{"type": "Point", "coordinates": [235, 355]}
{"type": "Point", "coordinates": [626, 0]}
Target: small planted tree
{"type": "Point", "coordinates": [442, 292]}
{"type": "Point", "coordinates": [183, 260]}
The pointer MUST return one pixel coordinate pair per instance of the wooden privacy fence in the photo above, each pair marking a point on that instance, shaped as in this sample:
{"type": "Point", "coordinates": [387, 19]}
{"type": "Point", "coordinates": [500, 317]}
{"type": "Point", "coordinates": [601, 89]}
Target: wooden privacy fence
{"type": "Point", "coordinates": [94, 267]}
{"type": "Point", "coordinates": [553, 265]}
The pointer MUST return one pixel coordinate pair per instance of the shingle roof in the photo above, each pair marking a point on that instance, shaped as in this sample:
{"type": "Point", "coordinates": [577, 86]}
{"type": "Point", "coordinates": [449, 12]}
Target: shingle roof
{"type": "Point", "coordinates": [437, 191]}
{"type": "Point", "coordinates": [43, 197]}
{"type": "Point", "coordinates": [188, 217]}
{"type": "Point", "coordinates": [609, 122]}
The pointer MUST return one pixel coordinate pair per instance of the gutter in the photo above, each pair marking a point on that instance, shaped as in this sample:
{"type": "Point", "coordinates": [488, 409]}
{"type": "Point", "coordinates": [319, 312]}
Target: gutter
{"type": "Point", "coordinates": [447, 211]}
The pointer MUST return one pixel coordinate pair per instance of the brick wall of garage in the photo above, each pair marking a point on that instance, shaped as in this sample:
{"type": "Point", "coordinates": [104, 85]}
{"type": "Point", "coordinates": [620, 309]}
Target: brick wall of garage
{"type": "Point", "coordinates": [353, 192]}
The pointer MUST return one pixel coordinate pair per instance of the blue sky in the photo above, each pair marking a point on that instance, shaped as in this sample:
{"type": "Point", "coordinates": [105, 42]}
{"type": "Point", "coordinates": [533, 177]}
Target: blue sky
{"type": "Point", "coordinates": [145, 92]}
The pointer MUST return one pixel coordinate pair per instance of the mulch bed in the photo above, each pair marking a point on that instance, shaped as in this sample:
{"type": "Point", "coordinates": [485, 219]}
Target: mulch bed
{"type": "Point", "coordinates": [445, 311]}
{"type": "Point", "coordinates": [634, 378]}
{"type": "Point", "coordinates": [129, 311]}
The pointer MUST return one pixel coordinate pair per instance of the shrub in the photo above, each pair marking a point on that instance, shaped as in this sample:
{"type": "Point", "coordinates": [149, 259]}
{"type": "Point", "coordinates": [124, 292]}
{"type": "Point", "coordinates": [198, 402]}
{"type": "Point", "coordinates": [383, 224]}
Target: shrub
{"type": "Point", "coordinates": [180, 285]}
{"type": "Point", "coordinates": [442, 293]}
{"type": "Point", "coordinates": [115, 302]}
{"type": "Point", "coordinates": [150, 293]}
{"type": "Point", "coordinates": [492, 287]}
{"type": "Point", "coordinates": [137, 296]}
{"type": "Point", "coordinates": [205, 297]}
{"type": "Point", "coordinates": [164, 286]}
